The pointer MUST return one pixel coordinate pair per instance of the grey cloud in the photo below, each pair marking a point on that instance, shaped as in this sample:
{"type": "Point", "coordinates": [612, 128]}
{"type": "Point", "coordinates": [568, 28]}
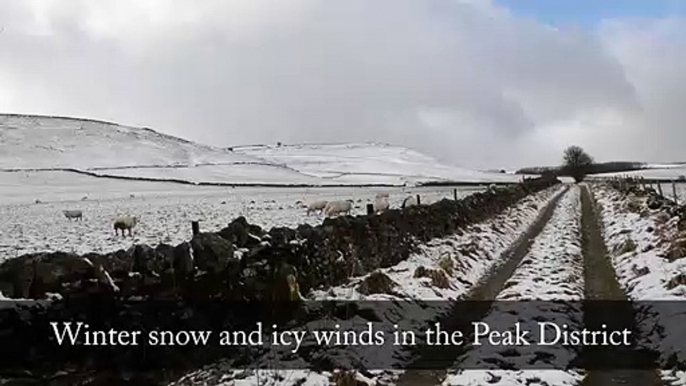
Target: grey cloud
{"type": "Point", "coordinates": [509, 90]}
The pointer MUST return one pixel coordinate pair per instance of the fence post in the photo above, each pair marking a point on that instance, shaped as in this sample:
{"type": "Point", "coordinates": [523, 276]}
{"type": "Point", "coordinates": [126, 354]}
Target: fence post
{"type": "Point", "coordinates": [419, 201]}
{"type": "Point", "coordinates": [659, 188]}
{"type": "Point", "coordinates": [676, 198]}
{"type": "Point", "coordinates": [370, 208]}
{"type": "Point", "coordinates": [196, 227]}
{"type": "Point", "coordinates": [455, 194]}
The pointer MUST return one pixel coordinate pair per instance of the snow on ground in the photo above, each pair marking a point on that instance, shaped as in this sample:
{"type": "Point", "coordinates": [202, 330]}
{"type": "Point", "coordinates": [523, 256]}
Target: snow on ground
{"type": "Point", "coordinates": [235, 174]}
{"type": "Point", "coordinates": [636, 243]}
{"type": "Point", "coordinates": [356, 162]}
{"type": "Point", "coordinates": [680, 192]}
{"type": "Point", "coordinates": [265, 377]}
{"type": "Point", "coordinates": [674, 165]}
{"type": "Point", "coordinates": [671, 172]}
{"type": "Point", "coordinates": [552, 270]}
{"type": "Point", "coordinates": [165, 209]}
{"type": "Point", "coordinates": [668, 190]}
{"type": "Point", "coordinates": [30, 142]}
{"type": "Point", "coordinates": [40, 142]}
{"type": "Point", "coordinates": [473, 254]}
{"type": "Point", "coordinates": [640, 269]}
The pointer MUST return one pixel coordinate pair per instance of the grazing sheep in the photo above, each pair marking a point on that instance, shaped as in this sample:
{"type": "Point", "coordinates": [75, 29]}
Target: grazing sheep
{"type": "Point", "coordinates": [38, 201]}
{"type": "Point", "coordinates": [73, 214]}
{"type": "Point", "coordinates": [335, 207]}
{"type": "Point", "coordinates": [409, 201]}
{"type": "Point", "coordinates": [316, 206]}
{"type": "Point", "coordinates": [123, 223]}
{"type": "Point", "coordinates": [84, 198]}
{"type": "Point", "coordinates": [132, 195]}
{"type": "Point", "coordinates": [381, 203]}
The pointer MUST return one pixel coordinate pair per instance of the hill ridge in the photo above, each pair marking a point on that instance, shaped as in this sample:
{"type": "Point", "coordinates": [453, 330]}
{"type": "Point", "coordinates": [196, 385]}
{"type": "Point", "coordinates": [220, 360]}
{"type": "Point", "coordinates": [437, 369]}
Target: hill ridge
{"type": "Point", "coordinates": [46, 142]}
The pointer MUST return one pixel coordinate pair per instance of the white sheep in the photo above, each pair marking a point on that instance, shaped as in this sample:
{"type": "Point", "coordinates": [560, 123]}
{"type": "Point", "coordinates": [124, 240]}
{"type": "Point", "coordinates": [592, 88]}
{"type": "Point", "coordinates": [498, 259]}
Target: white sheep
{"type": "Point", "coordinates": [73, 214]}
{"type": "Point", "coordinates": [409, 201]}
{"type": "Point", "coordinates": [123, 223]}
{"type": "Point", "coordinates": [381, 203]}
{"type": "Point", "coordinates": [316, 206]}
{"type": "Point", "coordinates": [333, 208]}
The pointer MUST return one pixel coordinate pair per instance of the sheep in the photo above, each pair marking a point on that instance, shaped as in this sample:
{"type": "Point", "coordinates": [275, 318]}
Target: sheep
{"type": "Point", "coordinates": [123, 223]}
{"type": "Point", "coordinates": [335, 207]}
{"type": "Point", "coordinates": [409, 201]}
{"type": "Point", "coordinates": [381, 203]}
{"type": "Point", "coordinates": [73, 214]}
{"type": "Point", "coordinates": [316, 206]}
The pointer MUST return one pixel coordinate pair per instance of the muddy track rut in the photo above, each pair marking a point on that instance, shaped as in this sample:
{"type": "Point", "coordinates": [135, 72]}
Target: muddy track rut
{"type": "Point", "coordinates": [601, 284]}
{"type": "Point", "coordinates": [443, 357]}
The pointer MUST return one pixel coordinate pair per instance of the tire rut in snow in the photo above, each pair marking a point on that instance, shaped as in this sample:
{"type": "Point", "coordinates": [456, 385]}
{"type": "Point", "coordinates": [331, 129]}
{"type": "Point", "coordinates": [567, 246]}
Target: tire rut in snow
{"type": "Point", "coordinates": [601, 284]}
{"type": "Point", "coordinates": [484, 293]}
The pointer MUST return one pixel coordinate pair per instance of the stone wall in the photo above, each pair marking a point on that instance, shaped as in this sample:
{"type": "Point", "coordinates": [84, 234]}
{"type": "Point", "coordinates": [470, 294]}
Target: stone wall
{"type": "Point", "coordinates": [203, 285]}
{"type": "Point", "coordinates": [243, 261]}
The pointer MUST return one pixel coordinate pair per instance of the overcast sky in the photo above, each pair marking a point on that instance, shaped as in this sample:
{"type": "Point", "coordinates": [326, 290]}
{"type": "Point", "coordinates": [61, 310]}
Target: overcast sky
{"type": "Point", "coordinates": [471, 82]}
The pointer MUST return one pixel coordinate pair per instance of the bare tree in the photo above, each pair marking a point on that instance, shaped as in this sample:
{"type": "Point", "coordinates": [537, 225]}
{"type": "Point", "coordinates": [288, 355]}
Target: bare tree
{"type": "Point", "coordinates": [576, 163]}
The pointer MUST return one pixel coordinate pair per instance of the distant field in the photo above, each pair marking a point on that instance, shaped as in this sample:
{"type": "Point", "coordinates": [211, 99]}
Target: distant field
{"type": "Point", "coordinates": [166, 209]}
{"type": "Point", "coordinates": [58, 143]}
{"type": "Point", "coordinates": [666, 173]}
{"type": "Point", "coordinates": [671, 173]}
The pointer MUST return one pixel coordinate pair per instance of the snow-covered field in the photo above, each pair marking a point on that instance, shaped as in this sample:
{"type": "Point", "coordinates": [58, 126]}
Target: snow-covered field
{"type": "Point", "coordinates": [668, 190]}
{"type": "Point", "coordinates": [358, 162]}
{"type": "Point", "coordinates": [637, 244]}
{"type": "Point", "coordinates": [473, 254]}
{"type": "Point", "coordinates": [552, 270]}
{"type": "Point", "coordinates": [680, 192]}
{"type": "Point", "coordinates": [35, 142]}
{"type": "Point", "coordinates": [32, 142]}
{"type": "Point", "coordinates": [165, 209]}
{"type": "Point", "coordinates": [667, 172]}
{"type": "Point", "coordinates": [222, 174]}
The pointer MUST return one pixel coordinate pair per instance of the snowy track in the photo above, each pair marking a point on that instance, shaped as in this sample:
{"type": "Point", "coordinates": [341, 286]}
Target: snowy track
{"type": "Point", "coordinates": [474, 254]}
{"type": "Point", "coordinates": [552, 270]}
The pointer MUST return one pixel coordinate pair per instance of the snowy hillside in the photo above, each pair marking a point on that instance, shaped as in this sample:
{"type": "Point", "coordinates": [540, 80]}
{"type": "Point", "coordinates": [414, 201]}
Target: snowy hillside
{"type": "Point", "coordinates": [31, 142]}
{"type": "Point", "coordinates": [108, 149]}
{"type": "Point", "coordinates": [360, 162]}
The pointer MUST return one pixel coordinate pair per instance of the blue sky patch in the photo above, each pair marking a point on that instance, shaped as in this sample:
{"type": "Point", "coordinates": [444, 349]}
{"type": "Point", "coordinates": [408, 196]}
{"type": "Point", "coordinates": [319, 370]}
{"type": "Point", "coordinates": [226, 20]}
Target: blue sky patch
{"type": "Point", "coordinates": [589, 12]}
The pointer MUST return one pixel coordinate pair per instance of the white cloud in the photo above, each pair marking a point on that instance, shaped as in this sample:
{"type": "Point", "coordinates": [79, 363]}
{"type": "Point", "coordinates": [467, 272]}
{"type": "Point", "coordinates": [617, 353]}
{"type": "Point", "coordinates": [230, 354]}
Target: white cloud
{"type": "Point", "coordinates": [463, 80]}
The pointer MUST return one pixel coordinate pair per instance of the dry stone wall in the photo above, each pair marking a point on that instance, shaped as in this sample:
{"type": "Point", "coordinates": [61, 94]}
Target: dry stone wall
{"type": "Point", "coordinates": [243, 261]}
